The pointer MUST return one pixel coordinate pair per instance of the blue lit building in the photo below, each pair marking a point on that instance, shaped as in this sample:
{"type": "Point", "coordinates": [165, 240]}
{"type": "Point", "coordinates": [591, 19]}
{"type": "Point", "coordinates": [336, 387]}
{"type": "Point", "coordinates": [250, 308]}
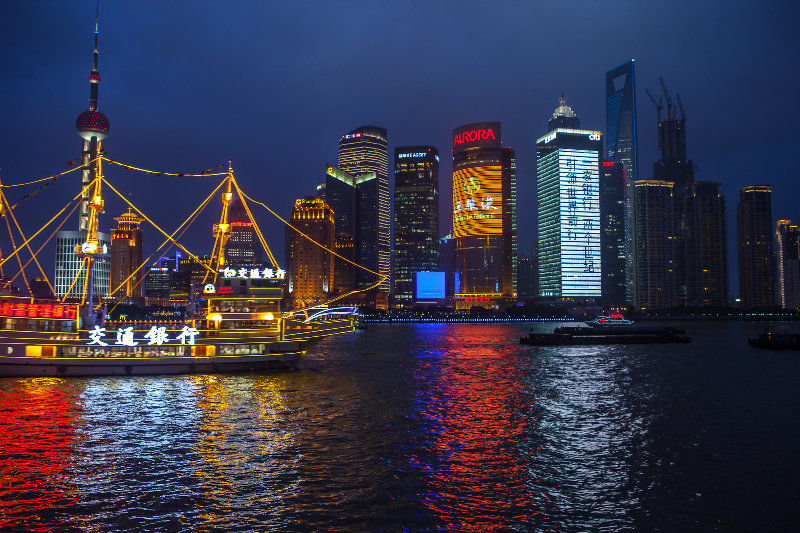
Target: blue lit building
{"type": "Point", "coordinates": [568, 185]}
{"type": "Point", "coordinates": [621, 131]}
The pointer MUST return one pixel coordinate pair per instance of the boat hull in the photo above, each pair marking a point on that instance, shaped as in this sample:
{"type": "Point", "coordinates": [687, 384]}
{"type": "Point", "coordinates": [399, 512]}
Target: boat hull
{"type": "Point", "coordinates": [119, 366]}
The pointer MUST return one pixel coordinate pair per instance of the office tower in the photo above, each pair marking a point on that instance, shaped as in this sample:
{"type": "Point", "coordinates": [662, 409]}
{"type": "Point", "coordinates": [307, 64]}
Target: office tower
{"type": "Point", "coordinates": [527, 277]}
{"type": "Point", "coordinates": [754, 221]}
{"type": "Point", "coordinates": [191, 277]}
{"type": "Point", "coordinates": [568, 188]}
{"type": "Point", "coordinates": [161, 276]}
{"type": "Point", "coordinates": [310, 268]}
{"type": "Point", "coordinates": [93, 127]}
{"type": "Point", "coordinates": [484, 215]}
{"type": "Point", "coordinates": [242, 247]}
{"type": "Point", "coordinates": [416, 218]}
{"type": "Point", "coordinates": [613, 185]}
{"type": "Point", "coordinates": [342, 193]}
{"type": "Point", "coordinates": [711, 245]}
{"type": "Point", "coordinates": [655, 245]}
{"type": "Point", "coordinates": [363, 152]}
{"type": "Point", "coordinates": [69, 266]}
{"type": "Point", "coordinates": [621, 130]}
{"type": "Point", "coordinates": [787, 238]}
{"type": "Point", "coordinates": [126, 256]}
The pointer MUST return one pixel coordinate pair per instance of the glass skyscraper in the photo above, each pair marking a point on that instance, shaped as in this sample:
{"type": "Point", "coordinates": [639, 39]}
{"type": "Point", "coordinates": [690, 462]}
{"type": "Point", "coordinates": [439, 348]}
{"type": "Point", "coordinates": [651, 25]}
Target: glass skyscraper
{"type": "Point", "coordinates": [621, 131]}
{"type": "Point", "coordinates": [416, 217]}
{"type": "Point", "coordinates": [363, 152]}
{"type": "Point", "coordinates": [568, 185]}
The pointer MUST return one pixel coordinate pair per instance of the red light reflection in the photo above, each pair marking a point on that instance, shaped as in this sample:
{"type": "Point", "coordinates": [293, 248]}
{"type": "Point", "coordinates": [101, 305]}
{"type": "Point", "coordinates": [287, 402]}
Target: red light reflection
{"type": "Point", "coordinates": [477, 477]}
{"type": "Point", "coordinates": [38, 419]}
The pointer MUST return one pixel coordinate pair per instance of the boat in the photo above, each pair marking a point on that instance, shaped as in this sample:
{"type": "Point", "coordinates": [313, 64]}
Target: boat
{"type": "Point", "coordinates": [574, 336]}
{"type": "Point", "coordinates": [239, 325]}
{"type": "Point", "coordinates": [609, 320]}
{"type": "Point", "coordinates": [771, 340]}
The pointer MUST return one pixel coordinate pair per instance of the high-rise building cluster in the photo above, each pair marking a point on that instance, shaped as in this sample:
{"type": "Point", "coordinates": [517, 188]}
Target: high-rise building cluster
{"type": "Point", "coordinates": [604, 234]}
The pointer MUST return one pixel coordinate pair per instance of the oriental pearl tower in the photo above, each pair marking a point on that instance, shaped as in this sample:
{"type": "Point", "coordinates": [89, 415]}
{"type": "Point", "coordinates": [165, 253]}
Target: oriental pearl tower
{"type": "Point", "coordinates": [92, 126]}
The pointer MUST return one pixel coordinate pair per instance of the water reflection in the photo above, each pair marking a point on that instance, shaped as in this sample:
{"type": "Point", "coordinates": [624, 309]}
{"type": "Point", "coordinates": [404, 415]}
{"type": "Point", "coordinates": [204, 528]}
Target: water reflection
{"type": "Point", "coordinates": [39, 418]}
{"type": "Point", "coordinates": [470, 403]}
{"type": "Point", "coordinates": [247, 463]}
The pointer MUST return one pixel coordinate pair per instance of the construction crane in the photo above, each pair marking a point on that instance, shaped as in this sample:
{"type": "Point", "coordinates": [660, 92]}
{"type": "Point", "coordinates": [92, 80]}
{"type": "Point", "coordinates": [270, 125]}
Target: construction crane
{"type": "Point", "coordinates": [667, 97]}
{"type": "Point", "coordinates": [659, 105]}
{"type": "Point", "coordinates": [680, 106]}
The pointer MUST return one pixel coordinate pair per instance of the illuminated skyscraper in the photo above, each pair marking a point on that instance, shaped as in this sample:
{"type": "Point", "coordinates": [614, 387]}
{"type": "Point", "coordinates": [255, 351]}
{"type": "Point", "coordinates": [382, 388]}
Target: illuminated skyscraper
{"type": "Point", "coordinates": [363, 152]}
{"type": "Point", "coordinates": [242, 247]}
{"type": "Point", "coordinates": [568, 186]}
{"type": "Point", "coordinates": [621, 130]}
{"type": "Point", "coordinates": [310, 269]}
{"type": "Point", "coordinates": [613, 185]}
{"type": "Point", "coordinates": [484, 216]}
{"type": "Point", "coordinates": [788, 281]}
{"type": "Point", "coordinates": [161, 277]}
{"type": "Point", "coordinates": [655, 245]}
{"type": "Point", "coordinates": [93, 127]}
{"type": "Point", "coordinates": [756, 274]}
{"type": "Point", "coordinates": [711, 264]}
{"type": "Point", "coordinates": [416, 217]}
{"type": "Point", "coordinates": [126, 256]}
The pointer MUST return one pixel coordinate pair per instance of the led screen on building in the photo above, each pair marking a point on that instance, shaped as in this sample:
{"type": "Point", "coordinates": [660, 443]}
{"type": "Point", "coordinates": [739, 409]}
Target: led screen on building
{"type": "Point", "coordinates": [579, 201]}
{"type": "Point", "coordinates": [430, 285]}
{"type": "Point", "coordinates": [477, 201]}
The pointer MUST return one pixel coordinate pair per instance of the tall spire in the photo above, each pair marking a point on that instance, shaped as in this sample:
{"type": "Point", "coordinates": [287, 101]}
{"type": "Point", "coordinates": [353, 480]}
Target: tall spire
{"type": "Point", "coordinates": [94, 77]}
{"type": "Point", "coordinates": [92, 126]}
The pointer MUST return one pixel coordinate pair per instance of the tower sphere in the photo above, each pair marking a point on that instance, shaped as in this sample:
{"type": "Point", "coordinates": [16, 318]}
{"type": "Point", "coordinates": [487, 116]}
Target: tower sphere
{"type": "Point", "coordinates": [92, 124]}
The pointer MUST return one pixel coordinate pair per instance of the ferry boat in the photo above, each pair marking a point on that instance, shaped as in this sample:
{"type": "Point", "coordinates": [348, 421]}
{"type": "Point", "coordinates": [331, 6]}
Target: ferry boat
{"type": "Point", "coordinates": [566, 336]}
{"type": "Point", "coordinates": [241, 327]}
{"type": "Point", "coordinates": [610, 320]}
{"type": "Point", "coordinates": [238, 334]}
{"type": "Point", "coordinates": [772, 340]}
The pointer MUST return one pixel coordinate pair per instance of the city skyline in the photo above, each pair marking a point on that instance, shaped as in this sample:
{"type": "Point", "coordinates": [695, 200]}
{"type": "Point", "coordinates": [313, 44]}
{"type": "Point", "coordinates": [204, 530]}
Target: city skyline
{"type": "Point", "coordinates": [178, 117]}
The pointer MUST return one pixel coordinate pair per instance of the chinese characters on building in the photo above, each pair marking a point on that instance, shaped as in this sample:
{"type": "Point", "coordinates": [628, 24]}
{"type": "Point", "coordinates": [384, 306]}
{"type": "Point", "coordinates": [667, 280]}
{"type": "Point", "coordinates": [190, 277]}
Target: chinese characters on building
{"type": "Point", "coordinates": [580, 223]}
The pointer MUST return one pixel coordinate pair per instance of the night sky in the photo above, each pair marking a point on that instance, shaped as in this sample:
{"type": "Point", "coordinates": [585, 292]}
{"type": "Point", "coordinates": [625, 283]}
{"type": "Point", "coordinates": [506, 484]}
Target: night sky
{"type": "Point", "coordinates": [272, 86]}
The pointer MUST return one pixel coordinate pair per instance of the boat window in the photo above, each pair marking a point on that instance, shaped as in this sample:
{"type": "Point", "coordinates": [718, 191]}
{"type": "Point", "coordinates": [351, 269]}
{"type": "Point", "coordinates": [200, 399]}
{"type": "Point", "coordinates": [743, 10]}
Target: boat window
{"type": "Point", "coordinates": [226, 349]}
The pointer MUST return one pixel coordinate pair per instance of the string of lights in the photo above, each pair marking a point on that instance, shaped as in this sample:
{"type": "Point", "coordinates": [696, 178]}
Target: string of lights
{"type": "Point", "coordinates": [18, 248]}
{"type": "Point", "coordinates": [53, 177]}
{"type": "Point", "coordinates": [207, 172]}
{"type": "Point", "coordinates": [382, 277]}
{"type": "Point", "coordinates": [170, 238]}
{"type": "Point", "coordinates": [53, 234]}
{"type": "Point", "coordinates": [27, 245]}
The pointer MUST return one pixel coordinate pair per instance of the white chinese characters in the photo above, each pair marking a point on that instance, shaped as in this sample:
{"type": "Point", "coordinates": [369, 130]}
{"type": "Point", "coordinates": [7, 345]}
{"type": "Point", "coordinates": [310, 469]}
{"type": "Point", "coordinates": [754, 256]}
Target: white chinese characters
{"type": "Point", "coordinates": [156, 335]}
{"type": "Point", "coordinates": [253, 273]}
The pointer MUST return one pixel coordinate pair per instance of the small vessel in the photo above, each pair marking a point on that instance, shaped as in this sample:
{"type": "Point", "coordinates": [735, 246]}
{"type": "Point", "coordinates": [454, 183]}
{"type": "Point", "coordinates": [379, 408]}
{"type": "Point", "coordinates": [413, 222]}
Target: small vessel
{"type": "Point", "coordinates": [771, 340]}
{"type": "Point", "coordinates": [610, 320]}
{"type": "Point", "coordinates": [569, 336]}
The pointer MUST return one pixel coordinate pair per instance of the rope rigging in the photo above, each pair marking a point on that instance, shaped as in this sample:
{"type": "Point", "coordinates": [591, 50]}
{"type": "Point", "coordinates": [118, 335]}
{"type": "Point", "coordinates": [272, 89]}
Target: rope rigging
{"type": "Point", "coordinates": [220, 230]}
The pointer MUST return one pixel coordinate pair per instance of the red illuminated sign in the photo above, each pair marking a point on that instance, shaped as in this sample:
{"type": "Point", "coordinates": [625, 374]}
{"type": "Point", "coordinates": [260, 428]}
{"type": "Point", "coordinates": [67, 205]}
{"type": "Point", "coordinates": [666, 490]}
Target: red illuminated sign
{"type": "Point", "coordinates": [473, 135]}
{"type": "Point", "coordinates": [34, 310]}
{"type": "Point", "coordinates": [608, 163]}
{"type": "Point", "coordinates": [224, 290]}
{"type": "Point", "coordinates": [242, 224]}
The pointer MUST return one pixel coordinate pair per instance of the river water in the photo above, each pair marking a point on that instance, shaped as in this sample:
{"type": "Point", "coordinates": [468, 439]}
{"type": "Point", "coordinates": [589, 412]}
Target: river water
{"type": "Point", "coordinates": [420, 427]}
